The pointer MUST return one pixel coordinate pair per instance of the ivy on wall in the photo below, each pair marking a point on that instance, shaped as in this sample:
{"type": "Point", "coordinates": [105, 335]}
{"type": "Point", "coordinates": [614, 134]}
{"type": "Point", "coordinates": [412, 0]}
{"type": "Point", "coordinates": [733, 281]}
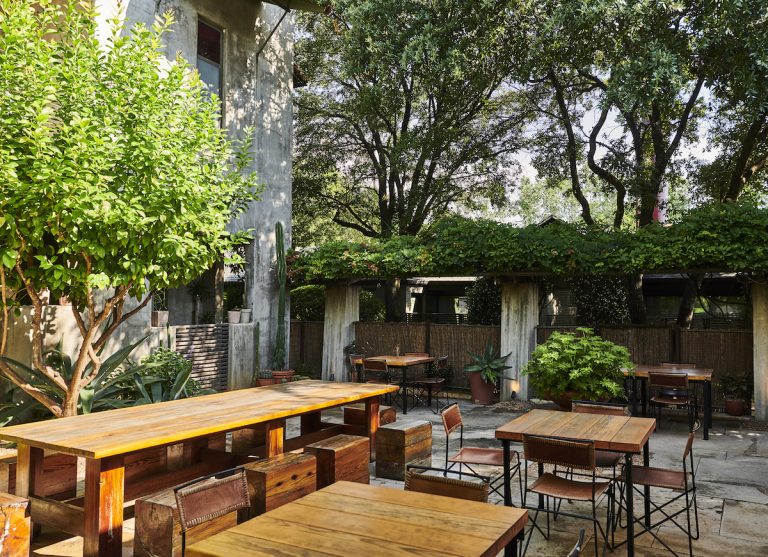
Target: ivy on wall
{"type": "Point", "coordinates": [725, 237]}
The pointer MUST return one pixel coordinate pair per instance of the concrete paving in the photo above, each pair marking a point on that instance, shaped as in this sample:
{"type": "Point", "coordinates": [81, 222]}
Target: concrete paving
{"type": "Point", "coordinates": [732, 482]}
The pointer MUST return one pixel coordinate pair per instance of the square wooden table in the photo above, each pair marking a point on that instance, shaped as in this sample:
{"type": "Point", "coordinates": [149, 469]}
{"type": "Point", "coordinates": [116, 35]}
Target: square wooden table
{"type": "Point", "coordinates": [346, 519]}
{"type": "Point", "coordinates": [620, 434]}
{"type": "Point", "coordinates": [105, 438]}
{"type": "Point", "coordinates": [402, 363]}
{"type": "Point", "coordinates": [695, 375]}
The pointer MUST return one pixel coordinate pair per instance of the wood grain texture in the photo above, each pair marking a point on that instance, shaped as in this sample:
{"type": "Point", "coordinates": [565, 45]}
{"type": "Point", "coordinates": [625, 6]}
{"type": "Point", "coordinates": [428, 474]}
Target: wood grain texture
{"type": "Point", "coordinates": [611, 433]}
{"type": "Point", "coordinates": [400, 361]}
{"type": "Point", "coordinates": [356, 519]}
{"type": "Point", "coordinates": [276, 481]}
{"type": "Point", "coordinates": [14, 526]}
{"type": "Point", "coordinates": [103, 507]}
{"type": "Point", "coordinates": [343, 457]}
{"type": "Point", "coordinates": [400, 444]}
{"type": "Point", "coordinates": [126, 430]}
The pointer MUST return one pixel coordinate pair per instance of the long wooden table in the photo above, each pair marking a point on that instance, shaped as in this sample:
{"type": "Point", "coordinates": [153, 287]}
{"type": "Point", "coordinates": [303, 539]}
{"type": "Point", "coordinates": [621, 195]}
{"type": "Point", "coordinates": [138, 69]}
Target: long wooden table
{"type": "Point", "coordinates": [402, 363]}
{"type": "Point", "coordinates": [695, 375]}
{"type": "Point", "coordinates": [620, 434]}
{"type": "Point", "coordinates": [105, 438]}
{"type": "Point", "coordinates": [356, 519]}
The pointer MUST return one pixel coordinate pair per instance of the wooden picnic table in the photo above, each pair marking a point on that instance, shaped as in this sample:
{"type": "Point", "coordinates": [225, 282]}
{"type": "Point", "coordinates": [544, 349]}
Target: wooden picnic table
{"type": "Point", "coordinates": [356, 519]}
{"type": "Point", "coordinates": [105, 438]}
{"type": "Point", "coordinates": [402, 363]}
{"type": "Point", "coordinates": [695, 375]}
{"type": "Point", "coordinates": [622, 434]}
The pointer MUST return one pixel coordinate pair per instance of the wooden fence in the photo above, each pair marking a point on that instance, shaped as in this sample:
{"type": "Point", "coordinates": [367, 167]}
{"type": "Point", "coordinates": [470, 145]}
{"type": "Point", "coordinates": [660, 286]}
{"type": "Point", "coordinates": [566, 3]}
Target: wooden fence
{"type": "Point", "coordinates": [306, 350]}
{"type": "Point", "coordinates": [207, 347]}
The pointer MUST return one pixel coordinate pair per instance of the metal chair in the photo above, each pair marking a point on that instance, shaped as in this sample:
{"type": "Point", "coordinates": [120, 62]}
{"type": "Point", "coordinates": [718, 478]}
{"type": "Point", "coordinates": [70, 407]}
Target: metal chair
{"type": "Point", "coordinates": [210, 497]}
{"type": "Point", "coordinates": [576, 551]}
{"type": "Point", "coordinates": [417, 480]}
{"type": "Point", "coordinates": [568, 454]}
{"type": "Point", "coordinates": [431, 387]}
{"type": "Point", "coordinates": [354, 367]}
{"type": "Point", "coordinates": [671, 390]}
{"type": "Point", "coordinates": [377, 371]}
{"type": "Point", "coordinates": [683, 481]}
{"type": "Point", "coordinates": [475, 456]}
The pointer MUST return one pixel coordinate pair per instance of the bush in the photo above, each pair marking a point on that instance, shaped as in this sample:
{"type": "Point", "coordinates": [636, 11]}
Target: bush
{"type": "Point", "coordinates": [582, 363]}
{"type": "Point", "coordinates": [484, 302]}
{"type": "Point", "coordinates": [308, 304]}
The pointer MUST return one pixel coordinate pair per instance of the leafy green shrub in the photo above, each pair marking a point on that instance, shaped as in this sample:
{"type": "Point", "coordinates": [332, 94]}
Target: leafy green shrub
{"type": "Point", "coordinates": [308, 303]}
{"type": "Point", "coordinates": [484, 302]}
{"type": "Point", "coordinates": [582, 363]}
{"type": "Point", "coordinates": [600, 300]}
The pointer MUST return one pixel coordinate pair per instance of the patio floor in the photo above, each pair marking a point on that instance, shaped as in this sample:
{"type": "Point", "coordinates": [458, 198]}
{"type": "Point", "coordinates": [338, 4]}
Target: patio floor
{"type": "Point", "coordinates": [732, 481]}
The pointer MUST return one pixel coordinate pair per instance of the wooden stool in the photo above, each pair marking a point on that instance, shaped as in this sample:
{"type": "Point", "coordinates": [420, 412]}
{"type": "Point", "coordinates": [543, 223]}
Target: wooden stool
{"type": "Point", "coordinates": [278, 480]}
{"type": "Point", "coordinates": [355, 415]}
{"type": "Point", "coordinates": [400, 444]}
{"type": "Point", "coordinates": [14, 524]}
{"type": "Point", "coordinates": [158, 530]}
{"type": "Point", "coordinates": [343, 457]}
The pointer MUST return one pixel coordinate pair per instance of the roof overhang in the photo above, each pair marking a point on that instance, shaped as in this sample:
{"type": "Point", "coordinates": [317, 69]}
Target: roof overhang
{"type": "Point", "coordinates": [299, 5]}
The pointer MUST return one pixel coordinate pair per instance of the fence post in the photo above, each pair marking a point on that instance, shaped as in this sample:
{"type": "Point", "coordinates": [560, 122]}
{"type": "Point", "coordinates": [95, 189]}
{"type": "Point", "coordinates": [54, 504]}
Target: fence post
{"type": "Point", "coordinates": [519, 319]}
{"type": "Point", "coordinates": [760, 348]}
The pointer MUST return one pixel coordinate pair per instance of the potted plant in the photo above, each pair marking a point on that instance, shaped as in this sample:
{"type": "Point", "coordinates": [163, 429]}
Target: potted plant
{"type": "Point", "coordinates": [578, 365]}
{"type": "Point", "coordinates": [233, 315]}
{"type": "Point", "coordinates": [737, 392]}
{"type": "Point", "coordinates": [159, 308]}
{"type": "Point", "coordinates": [265, 378]}
{"type": "Point", "coordinates": [278, 355]}
{"type": "Point", "coordinates": [245, 315]}
{"type": "Point", "coordinates": [484, 374]}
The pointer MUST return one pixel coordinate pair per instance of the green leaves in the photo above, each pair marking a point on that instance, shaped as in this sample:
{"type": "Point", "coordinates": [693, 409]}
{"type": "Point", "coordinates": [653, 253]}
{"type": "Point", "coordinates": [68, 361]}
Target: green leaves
{"type": "Point", "coordinates": [490, 364]}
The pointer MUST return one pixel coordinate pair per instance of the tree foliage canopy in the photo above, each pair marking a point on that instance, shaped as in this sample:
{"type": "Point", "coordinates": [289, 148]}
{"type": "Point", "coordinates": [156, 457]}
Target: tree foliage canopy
{"type": "Point", "coordinates": [114, 174]}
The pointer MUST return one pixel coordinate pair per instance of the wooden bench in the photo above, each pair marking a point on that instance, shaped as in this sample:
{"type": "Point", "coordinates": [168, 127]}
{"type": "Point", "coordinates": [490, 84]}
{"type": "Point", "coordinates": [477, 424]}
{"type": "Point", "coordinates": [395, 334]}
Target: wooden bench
{"type": "Point", "coordinates": [59, 475]}
{"type": "Point", "coordinates": [280, 479]}
{"type": "Point", "coordinates": [355, 415]}
{"type": "Point", "coordinates": [400, 444]}
{"type": "Point", "coordinates": [14, 526]}
{"type": "Point", "coordinates": [343, 457]}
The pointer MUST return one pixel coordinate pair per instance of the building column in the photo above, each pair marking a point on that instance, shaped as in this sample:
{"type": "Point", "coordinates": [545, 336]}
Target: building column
{"type": "Point", "coordinates": [342, 309]}
{"type": "Point", "coordinates": [759, 295]}
{"type": "Point", "coordinates": [519, 318]}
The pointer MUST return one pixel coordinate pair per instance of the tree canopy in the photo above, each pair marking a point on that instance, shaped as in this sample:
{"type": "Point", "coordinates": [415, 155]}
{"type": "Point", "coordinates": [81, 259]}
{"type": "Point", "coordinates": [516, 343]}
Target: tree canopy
{"type": "Point", "coordinates": [114, 175]}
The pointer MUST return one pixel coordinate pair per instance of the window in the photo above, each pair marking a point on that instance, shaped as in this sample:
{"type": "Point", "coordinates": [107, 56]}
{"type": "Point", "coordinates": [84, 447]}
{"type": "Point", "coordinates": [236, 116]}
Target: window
{"type": "Point", "coordinates": [209, 57]}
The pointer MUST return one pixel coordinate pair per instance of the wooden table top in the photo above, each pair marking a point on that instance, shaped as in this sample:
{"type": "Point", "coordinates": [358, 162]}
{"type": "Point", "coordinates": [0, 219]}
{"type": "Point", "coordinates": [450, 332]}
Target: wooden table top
{"type": "Point", "coordinates": [121, 431]}
{"type": "Point", "coordinates": [611, 433]}
{"type": "Point", "coordinates": [693, 373]}
{"type": "Point", "coordinates": [399, 361]}
{"type": "Point", "coordinates": [359, 519]}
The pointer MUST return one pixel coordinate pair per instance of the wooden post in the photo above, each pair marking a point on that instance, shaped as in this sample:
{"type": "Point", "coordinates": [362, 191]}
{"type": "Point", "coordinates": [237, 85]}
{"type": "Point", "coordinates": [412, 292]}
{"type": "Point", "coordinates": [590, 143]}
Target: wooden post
{"type": "Point", "coordinates": [759, 295]}
{"type": "Point", "coordinates": [519, 318]}
{"type": "Point", "coordinates": [310, 422]}
{"type": "Point", "coordinates": [29, 470]}
{"type": "Point", "coordinates": [372, 422]}
{"type": "Point", "coordinates": [275, 435]}
{"type": "Point", "coordinates": [342, 309]}
{"type": "Point", "coordinates": [103, 506]}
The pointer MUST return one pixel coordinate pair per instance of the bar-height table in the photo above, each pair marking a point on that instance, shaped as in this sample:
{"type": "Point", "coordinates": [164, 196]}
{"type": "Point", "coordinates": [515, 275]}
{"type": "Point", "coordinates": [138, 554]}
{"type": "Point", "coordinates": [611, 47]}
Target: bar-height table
{"type": "Point", "coordinates": [695, 375]}
{"type": "Point", "coordinates": [105, 438]}
{"type": "Point", "coordinates": [402, 363]}
{"type": "Point", "coordinates": [356, 519]}
{"type": "Point", "coordinates": [621, 434]}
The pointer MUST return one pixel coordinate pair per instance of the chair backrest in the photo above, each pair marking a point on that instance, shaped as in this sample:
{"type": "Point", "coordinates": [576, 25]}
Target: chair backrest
{"type": "Point", "coordinates": [668, 380]}
{"type": "Point", "coordinates": [210, 497]}
{"type": "Point", "coordinates": [573, 453]}
{"type": "Point", "coordinates": [418, 354]}
{"type": "Point", "coordinates": [451, 416]}
{"type": "Point", "coordinates": [673, 365]}
{"type": "Point", "coordinates": [441, 362]}
{"type": "Point", "coordinates": [447, 487]}
{"type": "Point", "coordinates": [691, 437]}
{"type": "Point", "coordinates": [591, 407]}
{"type": "Point", "coordinates": [375, 365]}
{"type": "Point", "coordinates": [576, 551]}
{"type": "Point", "coordinates": [353, 359]}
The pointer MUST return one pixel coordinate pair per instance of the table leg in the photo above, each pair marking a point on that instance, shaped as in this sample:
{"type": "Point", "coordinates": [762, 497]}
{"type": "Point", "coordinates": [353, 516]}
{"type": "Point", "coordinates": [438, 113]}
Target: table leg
{"type": "Point", "coordinates": [647, 488]}
{"type": "Point", "coordinates": [541, 497]}
{"type": "Point", "coordinates": [707, 408]}
{"type": "Point", "coordinates": [644, 396]}
{"type": "Point", "coordinates": [29, 474]}
{"type": "Point", "coordinates": [275, 433]}
{"type": "Point", "coordinates": [629, 490]}
{"type": "Point", "coordinates": [633, 398]}
{"type": "Point", "coordinates": [511, 548]}
{"type": "Point", "coordinates": [372, 422]}
{"type": "Point", "coordinates": [310, 422]}
{"type": "Point", "coordinates": [507, 479]}
{"type": "Point", "coordinates": [103, 507]}
{"type": "Point", "coordinates": [405, 391]}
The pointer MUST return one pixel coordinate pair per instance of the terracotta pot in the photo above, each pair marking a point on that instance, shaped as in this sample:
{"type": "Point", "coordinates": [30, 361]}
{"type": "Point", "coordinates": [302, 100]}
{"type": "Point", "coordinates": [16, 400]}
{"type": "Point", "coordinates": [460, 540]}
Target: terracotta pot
{"type": "Point", "coordinates": [563, 400]}
{"type": "Point", "coordinates": [265, 382]}
{"type": "Point", "coordinates": [283, 376]}
{"type": "Point", "coordinates": [735, 407]}
{"type": "Point", "coordinates": [482, 392]}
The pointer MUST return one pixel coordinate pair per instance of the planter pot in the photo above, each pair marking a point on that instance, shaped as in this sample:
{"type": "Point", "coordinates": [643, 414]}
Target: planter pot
{"type": "Point", "coordinates": [482, 392]}
{"type": "Point", "coordinates": [265, 382]}
{"type": "Point", "coordinates": [283, 376]}
{"type": "Point", "coordinates": [563, 400]}
{"type": "Point", "coordinates": [159, 318]}
{"type": "Point", "coordinates": [735, 407]}
{"type": "Point", "coordinates": [233, 316]}
{"type": "Point", "coordinates": [245, 316]}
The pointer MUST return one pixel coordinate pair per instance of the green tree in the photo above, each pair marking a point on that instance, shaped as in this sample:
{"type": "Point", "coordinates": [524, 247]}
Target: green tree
{"type": "Point", "coordinates": [407, 112]}
{"type": "Point", "coordinates": [114, 174]}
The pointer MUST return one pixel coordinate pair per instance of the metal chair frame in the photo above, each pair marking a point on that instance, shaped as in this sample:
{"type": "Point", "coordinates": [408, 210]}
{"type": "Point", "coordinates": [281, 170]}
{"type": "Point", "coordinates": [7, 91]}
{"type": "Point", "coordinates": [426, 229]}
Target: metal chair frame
{"type": "Point", "coordinates": [497, 482]}
{"type": "Point", "coordinates": [413, 468]}
{"type": "Point", "coordinates": [687, 395]}
{"type": "Point", "coordinates": [577, 549]}
{"type": "Point", "coordinates": [586, 447]}
{"type": "Point", "coordinates": [689, 493]}
{"type": "Point", "coordinates": [422, 390]}
{"type": "Point", "coordinates": [381, 369]}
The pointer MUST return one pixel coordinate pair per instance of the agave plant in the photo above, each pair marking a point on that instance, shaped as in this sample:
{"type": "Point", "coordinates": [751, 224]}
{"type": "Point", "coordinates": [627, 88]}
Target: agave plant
{"type": "Point", "coordinates": [490, 364]}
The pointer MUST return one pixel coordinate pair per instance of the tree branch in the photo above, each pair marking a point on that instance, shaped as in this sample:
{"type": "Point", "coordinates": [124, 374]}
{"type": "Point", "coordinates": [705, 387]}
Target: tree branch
{"type": "Point", "coordinates": [603, 173]}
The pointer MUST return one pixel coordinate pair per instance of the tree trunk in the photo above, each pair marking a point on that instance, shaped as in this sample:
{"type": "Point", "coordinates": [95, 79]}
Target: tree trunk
{"type": "Point", "coordinates": [636, 299]}
{"type": "Point", "coordinates": [69, 408]}
{"type": "Point", "coordinates": [688, 301]}
{"type": "Point", "coordinates": [395, 300]}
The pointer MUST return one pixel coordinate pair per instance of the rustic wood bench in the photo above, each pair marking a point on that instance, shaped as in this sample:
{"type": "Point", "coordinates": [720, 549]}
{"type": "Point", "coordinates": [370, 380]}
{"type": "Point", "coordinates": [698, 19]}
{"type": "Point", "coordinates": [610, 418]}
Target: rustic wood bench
{"type": "Point", "coordinates": [400, 444]}
{"type": "Point", "coordinates": [280, 479]}
{"type": "Point", "coordinates": [14, 526]}
{"type": "Point", "coordinates": [343, 457]}
{"type": "Point", "coordinates": [354, 417]}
